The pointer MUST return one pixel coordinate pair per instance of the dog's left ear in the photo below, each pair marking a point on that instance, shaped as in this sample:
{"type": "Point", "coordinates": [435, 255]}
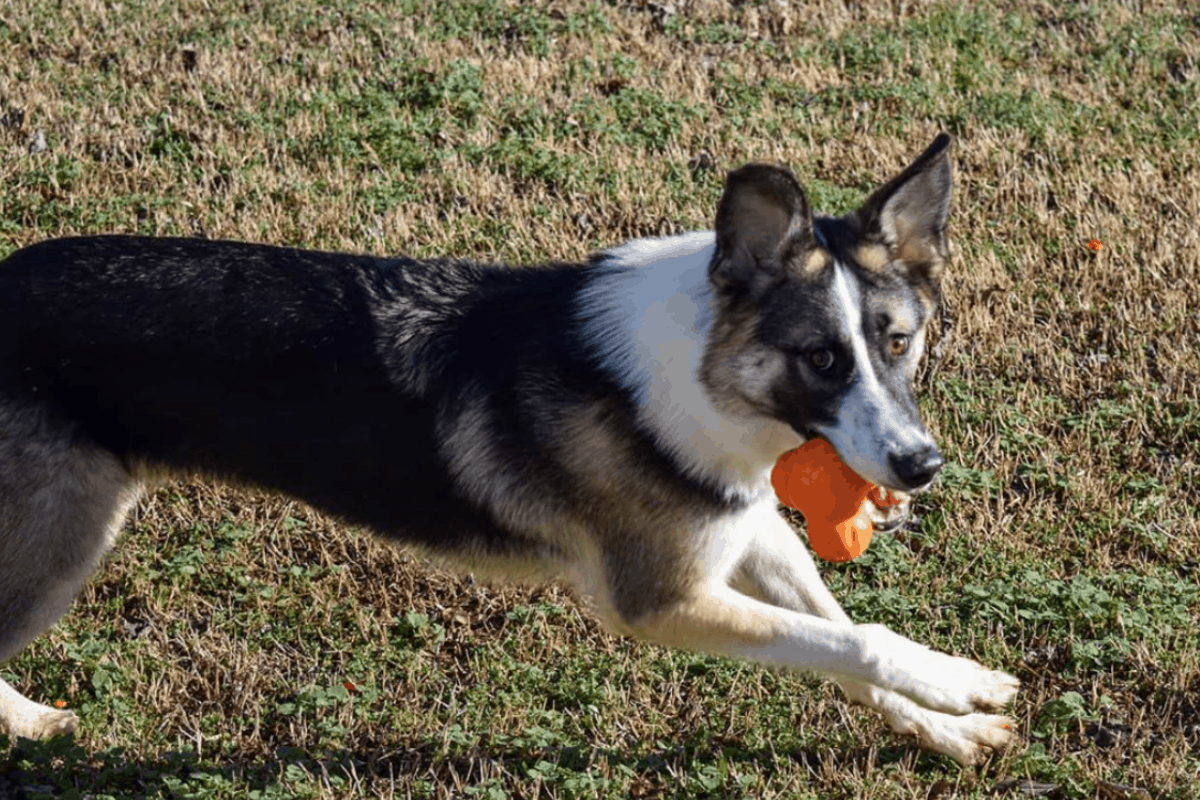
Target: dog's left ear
{"type": "Point", "coordinates": [908, 214]}
{"type": "Point", "coordinates": [763, 228]}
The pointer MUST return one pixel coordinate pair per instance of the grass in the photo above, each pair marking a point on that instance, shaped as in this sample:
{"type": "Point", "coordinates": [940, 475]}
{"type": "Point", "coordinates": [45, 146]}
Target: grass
{"type": "Point", "coordinates": [237, 645]}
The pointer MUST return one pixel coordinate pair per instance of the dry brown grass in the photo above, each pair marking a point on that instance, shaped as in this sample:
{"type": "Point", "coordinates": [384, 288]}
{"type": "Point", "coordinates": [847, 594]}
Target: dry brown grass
{"type": "Point", "coordinates": [1079, 369]}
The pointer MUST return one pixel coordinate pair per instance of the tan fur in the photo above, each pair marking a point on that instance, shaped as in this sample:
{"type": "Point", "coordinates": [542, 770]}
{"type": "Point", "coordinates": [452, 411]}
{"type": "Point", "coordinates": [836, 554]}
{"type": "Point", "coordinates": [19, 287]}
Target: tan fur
{"type": "Point", "coordinates": [916, 252]}
{"type": "Point", "coordinates": [631, 504]}
{"type": "Point", "coordinates": [815, 262]}
{"type": "Point", "coordinates": [737, 371]}
{"type": "Point", "coordinates": [709, 624]}
{"type": "Point", "coordinates": [872, 257]}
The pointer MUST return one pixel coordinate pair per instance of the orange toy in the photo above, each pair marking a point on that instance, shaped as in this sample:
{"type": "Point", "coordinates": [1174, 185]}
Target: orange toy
{"type": "Point", "coordinates": [815, 482]}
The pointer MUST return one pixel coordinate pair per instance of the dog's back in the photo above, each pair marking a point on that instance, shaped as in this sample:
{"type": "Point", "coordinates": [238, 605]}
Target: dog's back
{"type": "Point", "coordinates": [334, 378]}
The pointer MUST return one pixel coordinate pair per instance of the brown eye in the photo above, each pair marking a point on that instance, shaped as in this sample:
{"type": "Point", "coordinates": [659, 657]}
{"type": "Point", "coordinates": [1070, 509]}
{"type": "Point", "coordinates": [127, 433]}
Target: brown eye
{"type": "Point", "coordinates": [898, 345]}
{"type": "Point", "coordinates": [821, 359]}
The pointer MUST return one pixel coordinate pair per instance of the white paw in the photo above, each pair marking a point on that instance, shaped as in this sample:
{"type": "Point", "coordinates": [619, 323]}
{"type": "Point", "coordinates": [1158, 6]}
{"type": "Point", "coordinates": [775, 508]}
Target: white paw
{"type": "Point", "coordinates": [960, 686]}
{"type": "Point", "coordinates": [968, 739]}
{"type": "Point", "coordinates": [46, 724]}
{"type": "Point", "coordinates": [932, 679]}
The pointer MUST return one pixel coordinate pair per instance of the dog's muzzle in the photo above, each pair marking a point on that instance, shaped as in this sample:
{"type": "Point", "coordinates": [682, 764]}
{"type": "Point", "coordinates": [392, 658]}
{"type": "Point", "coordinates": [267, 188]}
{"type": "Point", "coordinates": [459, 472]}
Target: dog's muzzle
{"type": "Point", "coordinates": [916, 469]}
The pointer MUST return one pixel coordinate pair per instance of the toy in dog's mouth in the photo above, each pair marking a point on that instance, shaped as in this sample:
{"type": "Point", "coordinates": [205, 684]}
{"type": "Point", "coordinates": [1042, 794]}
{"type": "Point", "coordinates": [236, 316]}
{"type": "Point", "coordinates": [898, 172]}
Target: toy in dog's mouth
{"type": "Point", "coordinates": [832, 497]}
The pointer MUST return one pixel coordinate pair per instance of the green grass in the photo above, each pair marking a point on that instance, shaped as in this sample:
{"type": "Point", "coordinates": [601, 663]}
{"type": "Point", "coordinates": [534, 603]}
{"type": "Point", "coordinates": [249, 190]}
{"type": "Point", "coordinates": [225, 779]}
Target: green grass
{"type": "Point", "coordinates": [239, 646]}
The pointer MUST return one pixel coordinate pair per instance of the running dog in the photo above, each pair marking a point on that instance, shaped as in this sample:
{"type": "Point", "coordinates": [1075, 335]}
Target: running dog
{"type": "Point", "coordinates": [611, 423]}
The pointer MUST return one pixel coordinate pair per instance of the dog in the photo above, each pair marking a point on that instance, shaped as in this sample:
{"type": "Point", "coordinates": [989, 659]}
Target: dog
{"type": "Point", "coordinates": [612, 423]}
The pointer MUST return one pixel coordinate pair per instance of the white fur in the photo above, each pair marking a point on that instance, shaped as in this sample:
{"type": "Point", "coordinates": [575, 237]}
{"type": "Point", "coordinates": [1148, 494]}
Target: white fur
{"type": "Point", "coordinates": [757, 569]}
{"type": "Point", "coordinates": [648, 318]}
{"type": "Point", "coordinates": [20, 716]}
{"type": "Point", "coordinates": [823, 639]}
{"type": "Point", "coordinates": [867, 427]}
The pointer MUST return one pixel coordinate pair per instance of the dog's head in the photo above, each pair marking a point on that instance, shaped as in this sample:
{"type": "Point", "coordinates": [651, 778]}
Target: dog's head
{"type": "Point", "coordinates": [820, 322]}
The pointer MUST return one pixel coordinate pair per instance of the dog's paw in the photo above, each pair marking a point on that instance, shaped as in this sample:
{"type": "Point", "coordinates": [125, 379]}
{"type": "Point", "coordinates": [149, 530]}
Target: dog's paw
{"type": "Point", "coordinates": [47, 724]}
{"type": "Point", "coordinates": [935, 680]}
{"type": "Point", "coordinates": [960, 686]}
{"type": "Point", "coordinates": [969, 739]}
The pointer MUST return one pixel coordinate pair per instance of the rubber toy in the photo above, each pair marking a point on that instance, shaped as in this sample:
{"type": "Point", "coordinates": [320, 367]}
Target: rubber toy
{"type": "Point", "coordinates": [830, 495]}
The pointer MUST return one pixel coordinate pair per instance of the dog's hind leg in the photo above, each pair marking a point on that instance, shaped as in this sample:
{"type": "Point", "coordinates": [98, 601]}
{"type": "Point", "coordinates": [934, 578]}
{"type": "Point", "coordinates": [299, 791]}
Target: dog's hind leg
{"type": "Point", "coordinates": [61, 505]}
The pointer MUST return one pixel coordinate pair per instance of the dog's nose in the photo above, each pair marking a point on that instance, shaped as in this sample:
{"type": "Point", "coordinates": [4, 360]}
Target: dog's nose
{"type": "Point", "coordinates": [916, 469]}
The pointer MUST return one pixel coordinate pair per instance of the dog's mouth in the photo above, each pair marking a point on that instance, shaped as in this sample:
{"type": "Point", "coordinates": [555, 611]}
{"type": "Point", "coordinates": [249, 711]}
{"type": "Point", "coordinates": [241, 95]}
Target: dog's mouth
{"type": "Point", "coordinates": [899, 489]}
{"type": "Point", "coordinates": [886, 519]}
{"type": "Point", "coordinates": [892, 520]}
{"type": "Point", "coordinates": [904, 492]}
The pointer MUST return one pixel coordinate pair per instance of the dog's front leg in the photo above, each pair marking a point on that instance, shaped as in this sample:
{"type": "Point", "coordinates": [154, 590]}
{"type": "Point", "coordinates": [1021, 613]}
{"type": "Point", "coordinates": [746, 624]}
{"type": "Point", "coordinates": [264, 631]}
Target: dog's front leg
{"type": "Point", "coordinates": [777, 569]}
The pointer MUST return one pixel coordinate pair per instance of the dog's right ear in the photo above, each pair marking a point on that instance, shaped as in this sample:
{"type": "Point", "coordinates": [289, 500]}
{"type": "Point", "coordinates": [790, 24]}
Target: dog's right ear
{"type": "Point", "coordinates": [763, 227]}
{"type": "Point", "coordinates": [908, 214]}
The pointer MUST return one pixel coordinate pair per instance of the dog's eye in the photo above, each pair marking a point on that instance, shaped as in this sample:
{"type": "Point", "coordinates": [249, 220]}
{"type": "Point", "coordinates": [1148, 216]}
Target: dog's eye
{"type": "Point", "coordinates": [821, 359]}
{"type": "Point", "coordinates": [898, 345]}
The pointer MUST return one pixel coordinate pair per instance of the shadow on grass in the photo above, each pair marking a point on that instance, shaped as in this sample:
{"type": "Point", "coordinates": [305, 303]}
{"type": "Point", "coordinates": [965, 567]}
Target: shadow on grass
{"type": "Point", "coordinates": [62, 769]}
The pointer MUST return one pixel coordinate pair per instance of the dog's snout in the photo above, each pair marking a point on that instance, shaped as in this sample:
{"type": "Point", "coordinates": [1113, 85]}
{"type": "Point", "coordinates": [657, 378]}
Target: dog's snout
{"type": "Point", "coordinates": [916, 469]}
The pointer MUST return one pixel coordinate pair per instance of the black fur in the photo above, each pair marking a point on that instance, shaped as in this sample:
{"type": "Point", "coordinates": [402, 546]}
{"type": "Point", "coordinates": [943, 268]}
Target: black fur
{"type": "Point", "coordinates": [325, 376]}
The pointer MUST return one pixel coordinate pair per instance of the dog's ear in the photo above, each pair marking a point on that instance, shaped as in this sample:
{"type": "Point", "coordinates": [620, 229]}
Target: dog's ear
{"type": "Point", "coordinates": [908, 214]}
{"type": "Point", "coordinates": [763, 228]}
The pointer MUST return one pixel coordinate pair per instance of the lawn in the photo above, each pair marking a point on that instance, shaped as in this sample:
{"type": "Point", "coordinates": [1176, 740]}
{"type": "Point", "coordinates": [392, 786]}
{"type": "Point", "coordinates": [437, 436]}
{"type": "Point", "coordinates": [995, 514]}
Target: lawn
{"type": "Point", "coordinates": [237, 645]}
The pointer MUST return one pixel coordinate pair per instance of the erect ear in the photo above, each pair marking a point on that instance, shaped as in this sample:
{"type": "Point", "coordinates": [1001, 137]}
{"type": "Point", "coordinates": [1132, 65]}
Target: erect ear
{"type": "Point", "coordinates": [908, 214]}
{"type": "Point", "coordinates": [763, 228]}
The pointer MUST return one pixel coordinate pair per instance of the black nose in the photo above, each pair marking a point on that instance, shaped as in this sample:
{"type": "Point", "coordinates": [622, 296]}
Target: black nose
{"type": "Point", "coordinates": [917, 468]}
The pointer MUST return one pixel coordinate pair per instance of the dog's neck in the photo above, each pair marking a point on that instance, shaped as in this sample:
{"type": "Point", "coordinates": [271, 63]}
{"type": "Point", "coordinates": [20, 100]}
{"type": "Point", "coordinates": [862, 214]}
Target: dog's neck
{"type": "Point", "coordinates": [647, 317]}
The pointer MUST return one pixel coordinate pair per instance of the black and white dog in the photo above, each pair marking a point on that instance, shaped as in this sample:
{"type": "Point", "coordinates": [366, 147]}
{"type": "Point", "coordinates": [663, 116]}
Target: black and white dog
{"type": "Point", "coordinates": [614, 423]}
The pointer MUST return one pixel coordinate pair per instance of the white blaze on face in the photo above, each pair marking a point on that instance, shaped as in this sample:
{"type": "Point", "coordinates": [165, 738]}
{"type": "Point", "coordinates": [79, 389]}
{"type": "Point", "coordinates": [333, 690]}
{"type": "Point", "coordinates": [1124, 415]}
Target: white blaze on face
{"type": "Point", "coordinates": [870, 424]}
